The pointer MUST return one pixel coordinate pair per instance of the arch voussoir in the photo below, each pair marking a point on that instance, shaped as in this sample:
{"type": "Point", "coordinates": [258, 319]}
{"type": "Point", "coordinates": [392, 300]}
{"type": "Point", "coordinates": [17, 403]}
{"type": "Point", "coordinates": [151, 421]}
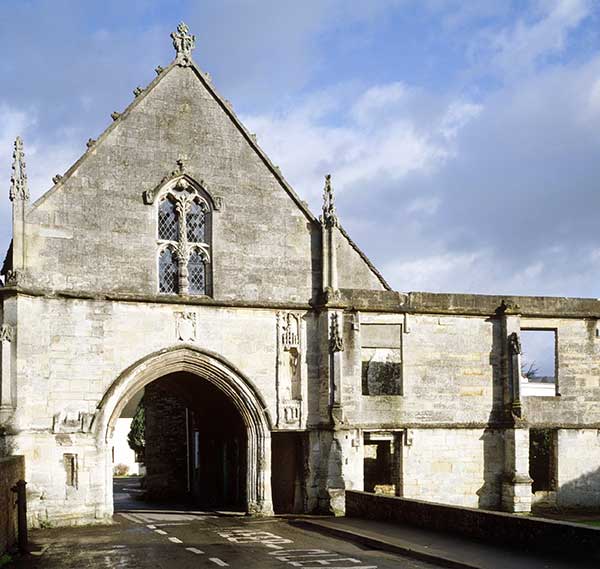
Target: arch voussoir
{"type": "Point", "coordinates": [226, 377]}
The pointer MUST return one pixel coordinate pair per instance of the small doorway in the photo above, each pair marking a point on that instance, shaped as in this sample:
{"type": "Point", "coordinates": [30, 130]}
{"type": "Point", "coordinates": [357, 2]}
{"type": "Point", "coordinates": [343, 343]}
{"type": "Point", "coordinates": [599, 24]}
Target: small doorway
{"type": "Point", "coordinates": [287, 479]}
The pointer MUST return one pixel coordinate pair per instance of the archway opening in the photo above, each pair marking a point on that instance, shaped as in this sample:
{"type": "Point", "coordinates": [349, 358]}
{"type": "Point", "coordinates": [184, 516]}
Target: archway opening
{"type": "Point", "coordinates": [196, 444]}
{"type": "Point", "coordinates": [192, 374]}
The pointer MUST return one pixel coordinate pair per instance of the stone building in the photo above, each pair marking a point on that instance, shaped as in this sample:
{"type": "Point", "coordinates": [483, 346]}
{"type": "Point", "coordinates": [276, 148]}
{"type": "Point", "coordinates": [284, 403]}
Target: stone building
{"type": "Point", "coordinates": [278, 366]}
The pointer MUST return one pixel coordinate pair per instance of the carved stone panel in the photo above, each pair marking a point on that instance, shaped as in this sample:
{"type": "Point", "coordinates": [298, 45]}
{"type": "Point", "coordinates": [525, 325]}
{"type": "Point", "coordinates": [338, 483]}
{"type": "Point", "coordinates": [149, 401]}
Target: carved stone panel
{"type": "Point", "coordinates": [186, 326]}
{"type": "Point", "coordinates": [289, 370]}
{"type": "Point", "coordinates": [72, 422]}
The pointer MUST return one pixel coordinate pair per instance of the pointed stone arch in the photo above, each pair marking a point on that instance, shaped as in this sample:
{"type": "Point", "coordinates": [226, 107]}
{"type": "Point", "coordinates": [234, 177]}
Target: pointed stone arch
{"type": "Point", "coordinates": [226, 377]}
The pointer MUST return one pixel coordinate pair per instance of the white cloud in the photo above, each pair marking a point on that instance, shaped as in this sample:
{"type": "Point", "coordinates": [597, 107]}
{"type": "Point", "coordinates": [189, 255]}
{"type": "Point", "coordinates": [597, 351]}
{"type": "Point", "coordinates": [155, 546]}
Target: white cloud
{"type": "Point", "coordinates": [43, 159]}
{"type": "Point", "coordinates": [520, 47]}
{"type": "Point", "coordinates": [377, 139]}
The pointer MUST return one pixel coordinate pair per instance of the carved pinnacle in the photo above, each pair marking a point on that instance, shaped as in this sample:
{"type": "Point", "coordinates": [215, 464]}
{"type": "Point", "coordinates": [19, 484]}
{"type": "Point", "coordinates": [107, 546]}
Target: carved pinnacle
{"type": "Point", "coordinates": [19, 189]}
{"type": "Point", "coordinates": [114, 116]}
{"type": "Point", "coordinates": [329, 217]}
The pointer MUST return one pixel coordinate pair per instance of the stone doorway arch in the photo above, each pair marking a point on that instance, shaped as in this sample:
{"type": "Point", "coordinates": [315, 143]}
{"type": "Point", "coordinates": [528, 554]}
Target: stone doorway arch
{"type": "Point", "coordinates": [222, 374]}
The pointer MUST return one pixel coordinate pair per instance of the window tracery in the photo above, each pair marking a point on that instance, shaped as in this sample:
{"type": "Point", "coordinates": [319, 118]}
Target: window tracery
{"type": "Point", "coordinates": [184, 222]}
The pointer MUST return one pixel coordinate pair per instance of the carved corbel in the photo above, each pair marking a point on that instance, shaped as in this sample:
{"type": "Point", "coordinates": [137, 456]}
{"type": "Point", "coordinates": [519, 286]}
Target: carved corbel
{"type": "Point", "coordinates": [6, 333]}
{"type": "Point", "coordinates": [13, 276]}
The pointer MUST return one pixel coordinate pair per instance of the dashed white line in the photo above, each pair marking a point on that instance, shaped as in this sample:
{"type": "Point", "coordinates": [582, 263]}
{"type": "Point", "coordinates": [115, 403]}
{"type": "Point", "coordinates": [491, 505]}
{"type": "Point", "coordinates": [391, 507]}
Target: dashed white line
{"type": "Point", "coordinates": [160, 531]}
{"type": "Point", "coordinates": [175, 540]}
{"type": "Point", "coordinates": [194, 550]}
{"type": "Point", "coordinates": [273, 546]}
{"type": "Point", "coordinates": [151, 527]}
{"type": "Point", "coordinates": [218, 561]}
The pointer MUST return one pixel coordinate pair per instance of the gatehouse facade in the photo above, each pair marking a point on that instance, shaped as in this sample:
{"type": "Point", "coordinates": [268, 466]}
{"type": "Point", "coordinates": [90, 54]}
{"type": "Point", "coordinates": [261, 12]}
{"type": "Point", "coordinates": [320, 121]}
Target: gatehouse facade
{"type": "Point", "coordinates": [173, 257]}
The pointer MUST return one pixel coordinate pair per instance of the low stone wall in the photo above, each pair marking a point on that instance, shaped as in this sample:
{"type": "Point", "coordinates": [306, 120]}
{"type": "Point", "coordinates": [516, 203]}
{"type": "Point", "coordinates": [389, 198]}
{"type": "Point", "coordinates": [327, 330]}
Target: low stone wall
{"type": "Point", "coordinates": [12, 469]}
{"type": "Point", "coordinates": [517, 531]}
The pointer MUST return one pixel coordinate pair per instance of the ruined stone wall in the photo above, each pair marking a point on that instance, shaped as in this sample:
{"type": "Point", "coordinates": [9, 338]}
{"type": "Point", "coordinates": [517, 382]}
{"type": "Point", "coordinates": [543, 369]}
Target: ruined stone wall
{"type": "Point", "coordinates": [578, 380]}
{"type": "Point", "coordinates": [449, 372]}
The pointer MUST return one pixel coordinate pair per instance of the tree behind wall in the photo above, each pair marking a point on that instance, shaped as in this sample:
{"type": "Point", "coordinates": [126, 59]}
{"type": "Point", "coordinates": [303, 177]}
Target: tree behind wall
{"type": "Point", "coordinates": [136, 437]}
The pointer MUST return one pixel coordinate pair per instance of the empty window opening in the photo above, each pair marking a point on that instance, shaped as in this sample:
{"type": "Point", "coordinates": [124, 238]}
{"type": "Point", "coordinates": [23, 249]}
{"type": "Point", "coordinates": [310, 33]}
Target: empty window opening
{"type": "Point", "coordinates": [538, 362]}
{"type": "Point", "coordinates": [542, 459]}
{"type": "Point", "coordinates": [70, 462]}
{"type": "Point", "coordinates": [381, 359]}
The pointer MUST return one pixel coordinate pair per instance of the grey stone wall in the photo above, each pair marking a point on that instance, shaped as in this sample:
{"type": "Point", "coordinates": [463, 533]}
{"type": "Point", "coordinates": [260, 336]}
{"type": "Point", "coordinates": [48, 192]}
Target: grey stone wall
{"type": "Point", "coordinates": [166, 447]}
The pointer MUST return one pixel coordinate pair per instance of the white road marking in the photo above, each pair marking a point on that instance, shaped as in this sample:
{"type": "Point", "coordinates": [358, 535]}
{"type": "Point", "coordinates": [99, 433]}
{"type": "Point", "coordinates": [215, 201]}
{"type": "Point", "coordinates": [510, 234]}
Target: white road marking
{"type": "Point", "coordinates": [151, 527]}
{"type": "Point", "coordinates": [175, 540]}
{"type": "Point", "coordinates": [273, 546]}
{"type": "Point", "coordinates": [218, 561]}
{"type": "Point", "coordinates": [161, 532]}
{"type": "Point", "coordinates": [194, 550]}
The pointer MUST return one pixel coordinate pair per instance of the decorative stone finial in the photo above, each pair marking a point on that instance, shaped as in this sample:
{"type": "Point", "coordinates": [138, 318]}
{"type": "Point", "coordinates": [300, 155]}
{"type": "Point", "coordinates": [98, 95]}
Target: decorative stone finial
{"type": "Point", "coordinates": [184, 43]}
{"type": "Point", "coordinates": [115, 115]}
{"type": "Point", "coordinates": [329, 217]}
{"type": "Point", "coordinates": [56, 179]}
{"type": "Point", "coordinates": [18, 180]}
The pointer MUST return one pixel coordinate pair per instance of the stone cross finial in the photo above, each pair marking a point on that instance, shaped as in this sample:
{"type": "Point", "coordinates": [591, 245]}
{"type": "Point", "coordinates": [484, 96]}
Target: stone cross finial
{"type": "Point", "coordinates": [18, 180]}
{"type": "Point", "coordinates": [329, 217]}
{"type": "Point", "coordinates": [184, 43]}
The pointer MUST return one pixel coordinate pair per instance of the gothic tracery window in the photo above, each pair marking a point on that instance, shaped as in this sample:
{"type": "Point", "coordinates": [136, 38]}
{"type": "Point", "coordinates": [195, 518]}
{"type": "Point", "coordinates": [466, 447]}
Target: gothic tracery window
{"type": "Point", "coordinates": [168, 223]}
{"type": "Point", "coordinates": [168, 271]}
{"type": "Point", "coordinates": [197, 272]}
{"type": "Point", "coordinates": [184, 217]}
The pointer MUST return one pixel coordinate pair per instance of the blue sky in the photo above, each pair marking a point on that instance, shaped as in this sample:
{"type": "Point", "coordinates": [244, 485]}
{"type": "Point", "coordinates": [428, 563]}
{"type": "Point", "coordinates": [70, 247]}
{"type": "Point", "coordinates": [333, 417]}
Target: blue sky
{"type": "Point", "coordinates": [463, 136]}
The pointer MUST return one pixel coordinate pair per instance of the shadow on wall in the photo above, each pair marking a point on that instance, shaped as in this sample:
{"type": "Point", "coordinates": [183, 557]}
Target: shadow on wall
{"type": "Point", "coordinates": [490, 494]}
{"type": "Point", "coordinates": [581, 493]}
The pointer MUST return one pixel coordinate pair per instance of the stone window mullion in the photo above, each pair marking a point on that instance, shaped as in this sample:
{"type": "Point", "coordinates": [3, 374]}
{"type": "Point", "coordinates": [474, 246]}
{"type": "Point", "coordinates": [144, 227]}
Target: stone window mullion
{"type": "Point", "coordinates": [182, 247]}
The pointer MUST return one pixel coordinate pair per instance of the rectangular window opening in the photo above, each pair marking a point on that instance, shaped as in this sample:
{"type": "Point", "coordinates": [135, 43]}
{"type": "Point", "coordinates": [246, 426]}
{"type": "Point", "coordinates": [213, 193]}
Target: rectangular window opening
{"type": "Point", "coordinates": [381, 359]}
{"type": "Point", "coordinates": [542, 459]}
{"type": "Point", "coordinates": [538, 362]}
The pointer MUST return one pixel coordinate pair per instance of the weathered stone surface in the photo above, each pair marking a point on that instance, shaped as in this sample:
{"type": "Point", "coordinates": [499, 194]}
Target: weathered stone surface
{"type": "Point", "coordinates": [293, 312]}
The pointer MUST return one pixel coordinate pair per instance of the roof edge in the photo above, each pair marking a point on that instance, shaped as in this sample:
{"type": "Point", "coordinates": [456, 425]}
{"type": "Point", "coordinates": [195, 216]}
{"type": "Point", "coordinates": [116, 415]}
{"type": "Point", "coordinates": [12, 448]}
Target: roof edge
{"type": "Point", "coordinates": [364, 257]}
{"type": "Point", "coordinates": [136, 101]}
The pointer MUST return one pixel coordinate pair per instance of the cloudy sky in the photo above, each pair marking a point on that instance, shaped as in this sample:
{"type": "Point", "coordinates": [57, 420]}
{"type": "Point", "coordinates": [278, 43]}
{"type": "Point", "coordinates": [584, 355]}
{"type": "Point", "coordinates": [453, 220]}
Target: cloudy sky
{"type": "Point", "coordinates": [463, 136]}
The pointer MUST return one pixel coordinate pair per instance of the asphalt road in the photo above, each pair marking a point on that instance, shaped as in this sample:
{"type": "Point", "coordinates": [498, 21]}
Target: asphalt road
{"type": "Point", "coordinates": [161, 539]}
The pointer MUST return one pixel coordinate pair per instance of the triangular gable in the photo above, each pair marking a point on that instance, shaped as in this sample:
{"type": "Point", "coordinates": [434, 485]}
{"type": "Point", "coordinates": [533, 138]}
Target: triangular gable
{"type": "Point", "coordinates": [141, 94]}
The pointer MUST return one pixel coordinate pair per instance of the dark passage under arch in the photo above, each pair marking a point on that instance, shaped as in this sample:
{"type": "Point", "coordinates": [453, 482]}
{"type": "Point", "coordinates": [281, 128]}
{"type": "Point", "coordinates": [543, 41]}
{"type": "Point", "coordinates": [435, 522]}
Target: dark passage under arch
{"type": "Point", "coordinates": [196, 443]}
